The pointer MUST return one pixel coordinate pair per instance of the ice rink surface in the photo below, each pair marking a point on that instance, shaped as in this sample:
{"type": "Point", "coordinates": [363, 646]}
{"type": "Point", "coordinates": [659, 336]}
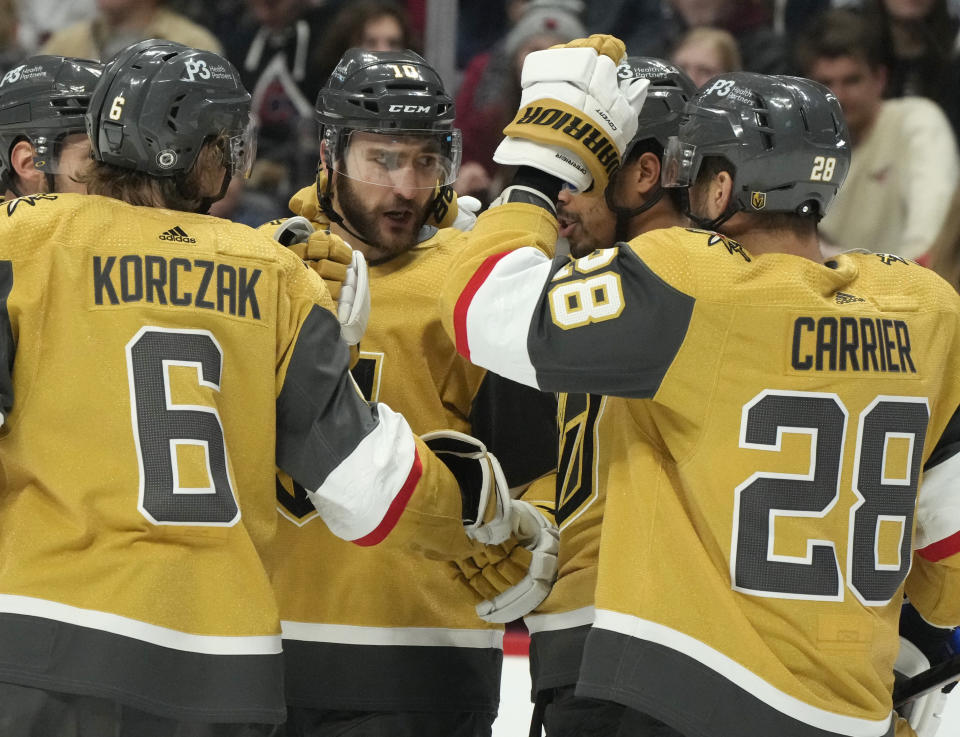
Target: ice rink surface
{"type": "Point", "coordinates": [514, 719]}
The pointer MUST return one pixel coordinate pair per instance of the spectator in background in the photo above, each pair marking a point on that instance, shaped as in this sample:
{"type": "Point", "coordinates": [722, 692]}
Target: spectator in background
{"type": "Point", "coordinates": [921, 35]}
{"type": "Point", "coordinates": [945, 252]}
{"type": "Point", "coordinates": [490, 92]}
{"type": "Point", "coordinates": [119, 23]}
{"type": "Point", "coordinates": [704, 53]}
{"type": "Point", "coordinates": [276, 50]}
{"type": "Point", "coordinates": [374, 25]}
{"type": "Point", "coordinates": [638, 23]}
{"type": "Point", "coordinates": [38, 19]}
{"type": "Point", "coordinates": [904, 169]}
{"type": "Point", "coordinates": [749, 21]}
{"type": "Point", "coordinates": [10, 50]}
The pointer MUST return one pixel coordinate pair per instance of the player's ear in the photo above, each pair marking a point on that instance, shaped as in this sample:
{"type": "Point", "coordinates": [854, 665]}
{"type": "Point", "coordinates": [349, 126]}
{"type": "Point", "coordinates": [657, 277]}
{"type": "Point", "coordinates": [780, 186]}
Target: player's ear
{"type": "Point", "coordinates": [29, 179]}
{"type": "Point", "coordinates": [721, 192]}
{"type": "Point", "coordinates": [647, 175]}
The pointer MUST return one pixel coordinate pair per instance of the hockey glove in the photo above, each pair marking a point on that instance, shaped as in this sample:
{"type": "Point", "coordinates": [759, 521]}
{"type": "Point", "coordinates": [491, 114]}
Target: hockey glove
{"type": "Point", "coordinates": [305, 203]}
{"type": "Point", "coordinates": [343, 270]}
{"type": "Point", "coordinates": [513, 578]}
{"type": "Point", "coordinates": [452, 211]}
{"type": "Point", "coordinates": [483, 488]}
{"type": "Point", "coordinates": [574, 120]}
{"type": "Point", "coordinates": [922, 646]}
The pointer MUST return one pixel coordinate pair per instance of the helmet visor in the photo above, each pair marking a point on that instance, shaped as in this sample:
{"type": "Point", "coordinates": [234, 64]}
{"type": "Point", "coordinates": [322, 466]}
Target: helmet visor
{"type": "Point", "coordinates": [242, 149]}
{"type": "Point", "coordinates": [412, 159]}
{"type": "Point", "coordinates": [678, 164]}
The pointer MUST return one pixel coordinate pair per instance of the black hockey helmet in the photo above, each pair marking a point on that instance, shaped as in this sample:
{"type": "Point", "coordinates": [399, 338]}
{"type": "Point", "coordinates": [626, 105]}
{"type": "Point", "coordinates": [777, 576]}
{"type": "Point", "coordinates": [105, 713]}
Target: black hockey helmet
{"type": "Point", "coordinates": [394, 94]}
{"type": "Point", "coordinates": [43, 100]}
{"type": "Point", "coordinates": [158, 102]}
{"type": "Point", "coordinates": [669, 91]}
{"type": "Point", "coordinates": [785, 138]}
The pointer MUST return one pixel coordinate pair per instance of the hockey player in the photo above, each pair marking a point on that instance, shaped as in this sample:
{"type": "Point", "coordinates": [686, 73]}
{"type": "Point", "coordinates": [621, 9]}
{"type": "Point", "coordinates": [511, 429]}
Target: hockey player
{"type": "Point", "coordinates": [394, 647]}
{"type": "Point", "coordinates": [634, 203]}
{"type": "Point", "coordinates": [43, 141]}
{"type": "Point", "coordinates": [157, 365]}
{"type": "Point", "coordinates": [762, 467]}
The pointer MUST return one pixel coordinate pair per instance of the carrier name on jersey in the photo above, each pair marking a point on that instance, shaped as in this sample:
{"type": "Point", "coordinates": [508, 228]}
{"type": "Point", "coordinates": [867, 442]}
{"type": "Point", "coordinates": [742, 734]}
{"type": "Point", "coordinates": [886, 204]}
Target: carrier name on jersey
{"type": "Point", "coordinates": [135, 278]}
{"type": "Point", "coordinates": [851, 344]}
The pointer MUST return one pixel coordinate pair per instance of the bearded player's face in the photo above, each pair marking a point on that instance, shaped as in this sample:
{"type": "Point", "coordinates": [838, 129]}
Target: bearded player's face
{"type": "Point", "coordinates": [387, 209]}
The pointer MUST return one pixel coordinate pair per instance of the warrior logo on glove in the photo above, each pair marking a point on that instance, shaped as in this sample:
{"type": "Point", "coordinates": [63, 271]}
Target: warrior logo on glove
{"type": "Point", "coordinates": [565, 119]}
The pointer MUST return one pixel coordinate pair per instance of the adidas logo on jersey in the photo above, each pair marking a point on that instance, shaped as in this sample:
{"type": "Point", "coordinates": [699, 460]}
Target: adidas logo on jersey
{"type": "Point", "coordinates": [843, 298]}
{"type": "Point", "coordinates": [177, 234]}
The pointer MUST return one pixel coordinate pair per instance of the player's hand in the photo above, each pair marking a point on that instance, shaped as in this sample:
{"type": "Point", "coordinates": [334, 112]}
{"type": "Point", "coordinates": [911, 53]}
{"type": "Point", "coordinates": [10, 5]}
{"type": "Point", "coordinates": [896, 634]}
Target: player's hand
{"type": "Point", "coordinates": [453, 211]}
{"type": "Point", "coordinates": [329, 256]}
{"type": "Point", "coordinates": [343, 270]}
{"type": "Point", "coordinates": [305, 203]}
{"type": "Point", "coordinates": [574, 120]}
{"type": "Point", "coordinates": [513, 578]}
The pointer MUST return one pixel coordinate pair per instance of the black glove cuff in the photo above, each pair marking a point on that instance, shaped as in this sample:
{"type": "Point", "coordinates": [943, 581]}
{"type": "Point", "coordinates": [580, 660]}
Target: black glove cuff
{"type": "Point", "coordinates": [548, 184]}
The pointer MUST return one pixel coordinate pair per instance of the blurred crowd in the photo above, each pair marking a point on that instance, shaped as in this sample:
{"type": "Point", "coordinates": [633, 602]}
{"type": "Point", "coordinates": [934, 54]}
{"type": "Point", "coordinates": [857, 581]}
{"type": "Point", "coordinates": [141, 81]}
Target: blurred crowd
{"type": "Point", "coordinates": [893, 64]}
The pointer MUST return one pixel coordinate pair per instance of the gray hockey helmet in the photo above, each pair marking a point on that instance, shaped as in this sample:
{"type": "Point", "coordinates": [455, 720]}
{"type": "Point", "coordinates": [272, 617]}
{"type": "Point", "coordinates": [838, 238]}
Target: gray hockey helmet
{"type": "Point", "coordinates": [669, 91]}
{"type": "Point", "coordinates": [785, 138]}
{"type": "Point", "coordinates": [396, 95]}
{"type": "Point", "coordinates": [158, 102]}
{"type": "Point", "coordinates": [43, 100]}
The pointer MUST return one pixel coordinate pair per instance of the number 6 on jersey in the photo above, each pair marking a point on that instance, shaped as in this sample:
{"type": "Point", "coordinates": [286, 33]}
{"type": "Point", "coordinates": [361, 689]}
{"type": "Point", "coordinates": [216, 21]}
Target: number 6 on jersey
{"type": "Point", "coordinates": [163, 429]}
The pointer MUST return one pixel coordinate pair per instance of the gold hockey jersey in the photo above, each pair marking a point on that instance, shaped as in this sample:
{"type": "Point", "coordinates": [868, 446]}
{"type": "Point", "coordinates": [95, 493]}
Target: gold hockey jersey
{"type": "Point", "coordinates": [153, 367]}
{"type": "Point", "coordinates": [558, 627]}
{"type": "Point", "coordinates": [761, 451]}
{"type": "Point", "coordinates": [394, 630]}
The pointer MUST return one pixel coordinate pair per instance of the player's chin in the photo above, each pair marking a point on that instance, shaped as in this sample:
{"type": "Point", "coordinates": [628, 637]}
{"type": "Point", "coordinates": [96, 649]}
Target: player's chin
{"type": "Point", "coordinates": [580, 247]}
{"type": "Point", "coordinates": [394, 240]}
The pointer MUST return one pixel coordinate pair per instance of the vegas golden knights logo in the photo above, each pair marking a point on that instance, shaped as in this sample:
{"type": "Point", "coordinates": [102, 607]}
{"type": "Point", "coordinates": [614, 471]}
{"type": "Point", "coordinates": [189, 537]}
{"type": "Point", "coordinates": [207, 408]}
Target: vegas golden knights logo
{"type": "Point", "coordinates": [758, 200]}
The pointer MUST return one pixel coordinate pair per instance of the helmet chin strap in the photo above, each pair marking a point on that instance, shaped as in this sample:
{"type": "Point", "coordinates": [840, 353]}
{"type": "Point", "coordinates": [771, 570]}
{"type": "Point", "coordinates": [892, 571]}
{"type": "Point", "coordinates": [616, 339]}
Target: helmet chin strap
{"type": "Point", "coordinates": [626, 214]}
{"type": "Point", "coordinates": [325, 200]}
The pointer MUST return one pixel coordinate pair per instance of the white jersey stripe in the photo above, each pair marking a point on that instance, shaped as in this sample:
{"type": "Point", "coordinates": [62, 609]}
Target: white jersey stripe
{"type": "Point", "coordinates": [356, 496]}
{"type": "Point", "coordinates": [501, 311]}
{"type": "Point", "coordinates": [559, 620]}
{"type": "Point", "coordinates": [794, 708]}
{"type": "Point", "coordinates": [126, 627]}
{"type": "Point", "coordinates": [344, 634]}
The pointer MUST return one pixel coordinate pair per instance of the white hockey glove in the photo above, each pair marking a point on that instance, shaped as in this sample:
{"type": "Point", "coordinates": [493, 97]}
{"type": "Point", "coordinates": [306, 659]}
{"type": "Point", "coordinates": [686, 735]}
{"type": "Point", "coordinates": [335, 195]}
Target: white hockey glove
{"type": "Point", "coordinates": [343, 270]}
{"type": "Point", "coordinates": [574, 120]}
{"type": "Point", "coordinates": [353, 304]}
{"type": "Point", "coordinates": [513, 578]}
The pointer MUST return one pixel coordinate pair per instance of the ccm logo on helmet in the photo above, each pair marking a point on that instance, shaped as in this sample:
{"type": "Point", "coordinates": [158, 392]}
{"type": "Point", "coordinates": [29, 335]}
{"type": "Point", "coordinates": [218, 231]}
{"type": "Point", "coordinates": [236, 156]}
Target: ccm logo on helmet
{"type": "Point", "coordinates": [408, 108]}
{"type": "Point", "coordinates": [722, 87]}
